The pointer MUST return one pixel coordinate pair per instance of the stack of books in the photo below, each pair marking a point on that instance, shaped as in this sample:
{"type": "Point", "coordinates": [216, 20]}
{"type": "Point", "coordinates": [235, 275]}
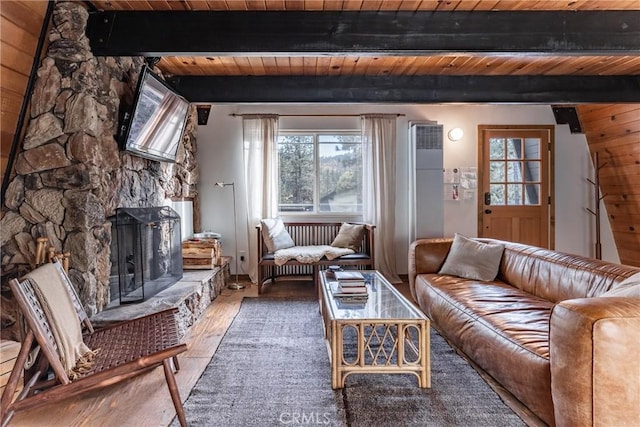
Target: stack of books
{"type": "Point", "coordinates": [351, 285]}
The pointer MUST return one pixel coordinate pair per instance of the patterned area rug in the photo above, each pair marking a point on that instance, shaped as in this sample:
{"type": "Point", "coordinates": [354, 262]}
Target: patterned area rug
{"type": "Point", "coordinates": [272, 368]}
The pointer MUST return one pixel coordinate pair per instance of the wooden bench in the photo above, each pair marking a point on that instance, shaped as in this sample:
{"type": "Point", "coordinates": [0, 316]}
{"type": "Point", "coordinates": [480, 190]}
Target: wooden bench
{"type": "Point", "coordinates": [311, 234]}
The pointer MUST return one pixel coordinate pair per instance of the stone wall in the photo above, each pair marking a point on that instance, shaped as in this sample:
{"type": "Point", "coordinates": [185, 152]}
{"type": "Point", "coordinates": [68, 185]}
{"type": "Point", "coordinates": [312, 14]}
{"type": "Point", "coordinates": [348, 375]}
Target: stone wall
{"type": "Point", "coordinates": [70, 175]}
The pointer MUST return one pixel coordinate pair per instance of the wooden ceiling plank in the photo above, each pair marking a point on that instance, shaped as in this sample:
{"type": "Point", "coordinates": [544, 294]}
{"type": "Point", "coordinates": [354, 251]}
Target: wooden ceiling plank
{"type": "Point", "coordinates": [11, 102]}
{"type": "Point", "coordinates": [13, 81]}
{"type": "Point", "coordinates": [592, 113]}
{"type": "Point", "coordinates": [614, 132]}
{"type": "Point", "coordinates": [309, 65]}
{"type": "Point", "coordinates": [448, 5]}
{"type": "Point", "coordinates": [631, 156]}
{"type": "Point", "coordinates": [390, 5]}
{"type": "Point", "coordinates": [630, 172]}
{"type": "Point", "coordinates": [22, 16]}
{"type": "Point", "coordinates": [8, 120]}
{"type": "Point", "coordinates": [16, 59]}
{"type": "Point", "coordinates": [484, 5]}
{"type": "Point", "coordinates": [411, 5]}
{"type": "Point", "coordinates": [402, 63]}
{"type": "Point", "coordinates": [294, 5]}
{"type": "Point", "coordinates": [424, 65]}
{"type": "Point", "coordinates": [627, 65]}
{"type": "Point", "coordinates": [349, 65]}
{"type": "Point", "coordinates": [612, 143]}
{"type": "Point", "coordinates": [322, 65]}
{"type": "Point", "coordinates": [127, 5]}
{"type": "Point", "coordinates": [284, 65]}
{"type": "Point", "coordinates": [598, 109]}
{"type": "Point", "coordinates": [305, 5]}
{"type": "Point", "coordinates": [38, 7]}
{"type": "Point", "coordinates": [270, 65]}
{"type": "Point", "coordinates": [297, 65]}
{"type": "Point", "coordinates": [17, 37]}
{"type": "Point", "coordinates": [616, 65]}
{"type": "Point", "coordinates": [257, 66]}
{"type": "Point", "coordinates": [198, 4]}
{"type": "Point", "coordinates": [429, 5]}
{"type": "Point", "coordinates": [335, 65]}
{"type": "Point", "coordinates": [624, 120]}
{"type": "Point", "coordinates": [218, 5]}
{"type": "Point", "coordinates": [256, 5]}
{"type": "Point", "coordinates": [241, 63]}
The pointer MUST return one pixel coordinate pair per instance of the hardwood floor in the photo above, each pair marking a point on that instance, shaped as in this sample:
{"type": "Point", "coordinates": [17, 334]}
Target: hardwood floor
{"type": "Point", "coordinates": [145, 401]}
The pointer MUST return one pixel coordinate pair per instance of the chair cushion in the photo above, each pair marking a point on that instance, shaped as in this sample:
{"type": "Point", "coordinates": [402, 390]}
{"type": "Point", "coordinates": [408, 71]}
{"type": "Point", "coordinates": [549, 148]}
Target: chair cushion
{"type": "Point", "coordinates": [472, 259]}
{"type": "Point", "coordinates": [275, 235]}
{"type": "Point", "coordinates": [350, 236]}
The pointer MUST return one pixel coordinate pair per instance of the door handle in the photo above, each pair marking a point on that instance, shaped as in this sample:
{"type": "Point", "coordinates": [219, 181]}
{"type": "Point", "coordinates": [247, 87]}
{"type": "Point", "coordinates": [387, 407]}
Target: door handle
{"type": "Point", "coordinates": [487, 198]}
{"type": "Point", "coordinates": [487, 211]}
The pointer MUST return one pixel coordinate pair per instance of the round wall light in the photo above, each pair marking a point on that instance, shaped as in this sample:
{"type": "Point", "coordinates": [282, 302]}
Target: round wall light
{"type": "Point", "coordinates": [455, 134]}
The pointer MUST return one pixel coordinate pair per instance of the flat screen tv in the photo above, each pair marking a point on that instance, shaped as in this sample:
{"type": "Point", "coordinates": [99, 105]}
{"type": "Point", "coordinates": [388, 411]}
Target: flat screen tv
{"type": "Point", "coordinates": [154, 127]}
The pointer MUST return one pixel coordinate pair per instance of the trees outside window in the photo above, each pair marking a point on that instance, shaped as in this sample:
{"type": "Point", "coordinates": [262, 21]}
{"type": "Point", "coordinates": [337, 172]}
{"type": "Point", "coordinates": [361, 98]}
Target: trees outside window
{"type": "Point", "coordinates": [320, 172]}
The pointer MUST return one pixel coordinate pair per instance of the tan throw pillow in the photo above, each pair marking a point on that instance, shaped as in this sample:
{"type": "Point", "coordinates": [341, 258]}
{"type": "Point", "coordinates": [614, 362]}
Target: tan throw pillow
{"type": "Point", "coordinates": [350, 236]}
{"type": "Point", "coordinates": [472, 259]}
{"type": "Point", "coordinates": [275, 235]}
{"type": "Point", "coordinates": [629, 287]}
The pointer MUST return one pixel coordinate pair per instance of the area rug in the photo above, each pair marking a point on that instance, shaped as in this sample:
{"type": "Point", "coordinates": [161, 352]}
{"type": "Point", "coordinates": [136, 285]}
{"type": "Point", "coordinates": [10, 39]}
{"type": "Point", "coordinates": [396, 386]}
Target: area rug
{"type": "Point", "coordinates": [272, 368]}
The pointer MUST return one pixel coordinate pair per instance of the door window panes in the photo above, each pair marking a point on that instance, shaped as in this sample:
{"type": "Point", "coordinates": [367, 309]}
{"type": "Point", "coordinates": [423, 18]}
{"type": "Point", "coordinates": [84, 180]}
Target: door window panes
{"type": "Point", "coordinates": [514, 171]}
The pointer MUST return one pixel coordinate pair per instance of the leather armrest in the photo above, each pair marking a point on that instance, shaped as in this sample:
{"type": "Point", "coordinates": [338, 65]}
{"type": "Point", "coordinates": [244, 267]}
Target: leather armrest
{"type": "Point", "coordinates": [426, 256]}
{"type": "Point", "coordinates": [595, 375]}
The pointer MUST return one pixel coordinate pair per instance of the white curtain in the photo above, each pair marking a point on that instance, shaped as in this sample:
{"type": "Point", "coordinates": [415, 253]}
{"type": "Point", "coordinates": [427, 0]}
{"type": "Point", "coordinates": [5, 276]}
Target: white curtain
{"type": "Point", "coordinates": [379, 187]}
{"type": "Point", "coordinates": [260, 133]}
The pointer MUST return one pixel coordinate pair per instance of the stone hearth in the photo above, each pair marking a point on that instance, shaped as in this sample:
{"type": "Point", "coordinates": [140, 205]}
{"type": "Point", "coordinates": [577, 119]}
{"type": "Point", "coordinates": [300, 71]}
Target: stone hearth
{"type": "Point", "coordinates": [191, 296]}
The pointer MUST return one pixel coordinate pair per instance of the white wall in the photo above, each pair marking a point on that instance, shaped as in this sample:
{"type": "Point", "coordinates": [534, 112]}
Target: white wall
{"type": "Point", "coordinates": [220, 159]}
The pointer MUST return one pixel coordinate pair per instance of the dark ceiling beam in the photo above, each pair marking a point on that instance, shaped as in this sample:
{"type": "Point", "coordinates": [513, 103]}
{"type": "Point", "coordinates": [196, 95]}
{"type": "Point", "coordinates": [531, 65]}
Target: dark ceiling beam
{"type": "Point", "coordinates": [409, 89]}
{"type": "Point", "coordinates": [197, 33]}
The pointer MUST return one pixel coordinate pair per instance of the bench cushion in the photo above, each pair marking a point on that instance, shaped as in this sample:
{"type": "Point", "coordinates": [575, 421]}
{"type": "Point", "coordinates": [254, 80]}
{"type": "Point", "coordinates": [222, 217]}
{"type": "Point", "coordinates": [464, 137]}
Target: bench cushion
{"type": "Point", "coordinates": [349, 257]}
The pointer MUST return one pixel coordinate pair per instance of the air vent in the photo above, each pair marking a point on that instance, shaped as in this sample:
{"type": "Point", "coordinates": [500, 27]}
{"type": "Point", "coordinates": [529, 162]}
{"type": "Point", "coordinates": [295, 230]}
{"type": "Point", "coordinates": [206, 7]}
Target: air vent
{"type": "Point", "coordinates": [429, 137]}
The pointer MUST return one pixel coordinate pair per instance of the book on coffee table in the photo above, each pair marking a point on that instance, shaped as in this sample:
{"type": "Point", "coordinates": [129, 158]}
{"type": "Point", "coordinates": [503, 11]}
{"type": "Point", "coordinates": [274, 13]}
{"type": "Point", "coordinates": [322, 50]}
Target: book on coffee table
{"type": "Point", "coordinates": [350, 278]}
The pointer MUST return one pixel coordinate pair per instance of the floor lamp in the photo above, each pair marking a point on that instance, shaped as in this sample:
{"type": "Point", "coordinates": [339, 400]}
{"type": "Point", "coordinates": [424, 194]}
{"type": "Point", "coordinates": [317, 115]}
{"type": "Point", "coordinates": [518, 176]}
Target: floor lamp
{"type": "Point", "coordinates": [234, 285]}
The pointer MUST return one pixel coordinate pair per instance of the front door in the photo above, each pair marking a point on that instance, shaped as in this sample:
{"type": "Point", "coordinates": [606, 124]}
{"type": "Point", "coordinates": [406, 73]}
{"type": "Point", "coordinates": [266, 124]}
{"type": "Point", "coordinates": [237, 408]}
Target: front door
{"type": "Point", "coordinates": [515, 169]}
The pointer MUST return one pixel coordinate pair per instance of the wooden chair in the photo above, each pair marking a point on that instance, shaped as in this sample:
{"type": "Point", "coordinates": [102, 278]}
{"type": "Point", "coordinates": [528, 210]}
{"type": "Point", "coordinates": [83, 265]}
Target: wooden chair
{"type": "Point", "coordinates": [126, 349]}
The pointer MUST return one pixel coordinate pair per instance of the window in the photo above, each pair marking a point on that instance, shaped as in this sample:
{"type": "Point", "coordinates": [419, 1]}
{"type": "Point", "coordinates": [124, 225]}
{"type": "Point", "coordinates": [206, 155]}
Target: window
{"type": "Point", "coordinates": [320, 172]}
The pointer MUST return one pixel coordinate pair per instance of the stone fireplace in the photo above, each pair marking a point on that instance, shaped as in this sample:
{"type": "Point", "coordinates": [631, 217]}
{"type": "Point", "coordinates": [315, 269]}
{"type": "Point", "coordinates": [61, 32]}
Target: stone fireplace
{"type": "Point", "coordinates": [70, 176]}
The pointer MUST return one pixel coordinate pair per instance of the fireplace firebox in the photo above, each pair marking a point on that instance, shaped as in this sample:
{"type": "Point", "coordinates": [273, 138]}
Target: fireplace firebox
{"type": "Point", "coordinates": [146, 253]}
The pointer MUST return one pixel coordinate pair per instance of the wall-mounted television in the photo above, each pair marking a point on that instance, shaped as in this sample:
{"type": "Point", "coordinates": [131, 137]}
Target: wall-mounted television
{"type": "Point", "coordinates": [153, 128]}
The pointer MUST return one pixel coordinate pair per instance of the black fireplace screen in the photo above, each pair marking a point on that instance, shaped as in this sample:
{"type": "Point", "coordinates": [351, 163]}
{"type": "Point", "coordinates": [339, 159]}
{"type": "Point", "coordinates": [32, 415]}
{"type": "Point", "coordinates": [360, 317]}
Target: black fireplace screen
{"type": "Point", "coordinates": [146, 253]}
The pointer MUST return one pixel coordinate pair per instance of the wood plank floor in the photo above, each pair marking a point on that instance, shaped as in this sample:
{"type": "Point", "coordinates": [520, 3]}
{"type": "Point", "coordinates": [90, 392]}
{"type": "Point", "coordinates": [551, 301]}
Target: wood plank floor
{"type": "Point", "coordinates": [145, 401]}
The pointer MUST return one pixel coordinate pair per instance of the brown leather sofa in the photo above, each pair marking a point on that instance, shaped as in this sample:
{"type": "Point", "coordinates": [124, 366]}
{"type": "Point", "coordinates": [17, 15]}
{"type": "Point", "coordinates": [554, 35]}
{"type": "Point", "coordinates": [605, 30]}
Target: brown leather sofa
{"type": "Point", "coordinates": [541, 330]}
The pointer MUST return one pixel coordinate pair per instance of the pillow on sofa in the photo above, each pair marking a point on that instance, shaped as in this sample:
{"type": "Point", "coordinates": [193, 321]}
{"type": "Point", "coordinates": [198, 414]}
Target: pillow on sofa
{"type": "Point", "coordinates": [275, 235]}
{"type": "Point", "coordinates": [350, 236]}
{"type": "Point", "coordinates": [472, 260]}
{"type": "Point", "coordinates": [629, 287]}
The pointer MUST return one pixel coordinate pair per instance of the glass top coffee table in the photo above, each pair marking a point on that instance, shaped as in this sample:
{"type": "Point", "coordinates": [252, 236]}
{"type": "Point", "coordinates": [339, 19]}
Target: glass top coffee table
{"type": "Point", "coordinates": [384, 334]}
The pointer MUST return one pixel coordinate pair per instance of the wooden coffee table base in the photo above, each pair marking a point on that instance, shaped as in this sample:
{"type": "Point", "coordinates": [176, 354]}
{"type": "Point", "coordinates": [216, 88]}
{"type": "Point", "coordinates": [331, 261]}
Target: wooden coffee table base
{"type": "Point", "coordinates": [379, 346]}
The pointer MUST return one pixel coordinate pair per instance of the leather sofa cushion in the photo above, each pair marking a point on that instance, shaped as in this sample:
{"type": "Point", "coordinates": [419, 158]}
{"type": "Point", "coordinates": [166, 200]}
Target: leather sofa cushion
{"type": "Point", "coordinates": [516, 315]}
{"type": "Point", "coordinates": [502, 329]}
